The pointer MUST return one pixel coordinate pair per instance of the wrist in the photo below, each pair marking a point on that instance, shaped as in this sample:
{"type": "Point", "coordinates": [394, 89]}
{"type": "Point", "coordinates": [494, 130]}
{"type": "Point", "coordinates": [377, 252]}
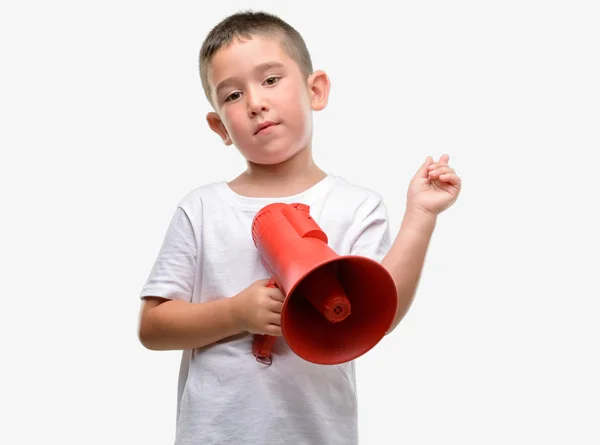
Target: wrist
{"type": "Point", "coordinates": [417, 215]}
{"type": "Point", "coordinates": [233, 312]}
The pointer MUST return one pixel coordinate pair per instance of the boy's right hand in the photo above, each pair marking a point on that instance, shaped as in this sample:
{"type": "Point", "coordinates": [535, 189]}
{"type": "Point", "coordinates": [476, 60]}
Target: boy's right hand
{"type": "Point", "coordinates": [257, 309]}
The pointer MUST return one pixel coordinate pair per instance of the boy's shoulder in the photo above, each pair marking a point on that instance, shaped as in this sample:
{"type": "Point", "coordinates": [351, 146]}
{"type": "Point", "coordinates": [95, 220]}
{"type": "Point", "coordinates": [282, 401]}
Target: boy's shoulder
{"type": "Point", "coordinates": [201, 192]}
{"type": "Point", "coordinates": [355, 192]}
{"type": "Point", "coordinates": [194, 201]}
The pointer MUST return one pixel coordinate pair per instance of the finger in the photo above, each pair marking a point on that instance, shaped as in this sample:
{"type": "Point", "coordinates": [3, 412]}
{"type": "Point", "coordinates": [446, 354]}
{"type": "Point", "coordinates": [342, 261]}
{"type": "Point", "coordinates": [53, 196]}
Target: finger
{"type": "Point", "coordinates": [443, 161]}
{"type": "Point", "coordinates": [451, 178]}
{"type": "Point", "coordinates": [435, 165]}
{"type": "Point", "coordinates": [276, 295]}
{"type": "Point", "coordinates": [440, 171]}
{"type": "Point", "coordinates": [275, 319]}
{"type": "Point", "coordinates": [276, 307]}
{"type": "Point", "coordinates": [274, 330]}
{"type": "Point", "coordinates": [422, 172]}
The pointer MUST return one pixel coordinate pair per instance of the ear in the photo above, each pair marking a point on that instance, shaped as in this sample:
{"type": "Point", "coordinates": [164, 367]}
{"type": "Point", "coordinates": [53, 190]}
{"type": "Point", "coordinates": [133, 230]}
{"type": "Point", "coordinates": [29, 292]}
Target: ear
{"type": "Point", "coordinates": [216, 124]}
{"type": "Point", "coordinates": [318, 85]}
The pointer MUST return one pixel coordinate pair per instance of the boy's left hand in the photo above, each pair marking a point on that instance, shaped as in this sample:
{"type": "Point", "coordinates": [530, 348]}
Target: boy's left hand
{"type": "Point", "coordinates": [434, 188]}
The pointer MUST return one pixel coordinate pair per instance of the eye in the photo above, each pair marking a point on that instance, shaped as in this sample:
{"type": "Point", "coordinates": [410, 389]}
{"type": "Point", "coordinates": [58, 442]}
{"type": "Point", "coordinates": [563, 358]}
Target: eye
{"type": "Point", "coordinates": [272, 80]}
{"type": "Point", "coordinates": [232, 96]}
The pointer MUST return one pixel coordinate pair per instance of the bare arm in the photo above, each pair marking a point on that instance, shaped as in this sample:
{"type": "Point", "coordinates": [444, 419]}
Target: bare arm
{"type": "Point", "coordinates": [433, 189]}
{"type": "Point", "coordinates": [406, 257]}
{"type": "Point", "coordinates": [175, 324]}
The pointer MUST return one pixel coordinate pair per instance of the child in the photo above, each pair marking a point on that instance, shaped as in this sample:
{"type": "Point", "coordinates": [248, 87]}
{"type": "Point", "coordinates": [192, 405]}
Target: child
{"type": "Point", "coordinates": [207, 293]}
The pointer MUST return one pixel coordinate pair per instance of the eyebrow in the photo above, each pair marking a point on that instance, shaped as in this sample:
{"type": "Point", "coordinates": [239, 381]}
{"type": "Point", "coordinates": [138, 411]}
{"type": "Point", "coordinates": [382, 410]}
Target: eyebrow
{"type": "Point", "coordinates": [262, 67]}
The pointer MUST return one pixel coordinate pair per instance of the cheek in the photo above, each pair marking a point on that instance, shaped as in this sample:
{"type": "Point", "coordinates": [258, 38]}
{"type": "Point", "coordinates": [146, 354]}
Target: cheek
{"type": "Point", "coordinates": [301, 112]}
{"type": "Point", "coordinates": [232, 119]}
{"type": "Point", "coordinates": [296, 106]}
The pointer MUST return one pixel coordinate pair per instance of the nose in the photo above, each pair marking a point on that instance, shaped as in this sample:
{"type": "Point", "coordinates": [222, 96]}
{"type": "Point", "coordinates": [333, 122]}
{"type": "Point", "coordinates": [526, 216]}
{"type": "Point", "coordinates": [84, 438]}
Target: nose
{"type": "Point", "coordinates": [256, 103]}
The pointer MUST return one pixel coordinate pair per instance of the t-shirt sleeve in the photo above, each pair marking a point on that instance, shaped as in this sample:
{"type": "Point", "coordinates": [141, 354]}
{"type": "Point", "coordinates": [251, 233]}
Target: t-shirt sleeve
{"type": "Point", "coordinates": [372, 237]}
{"type": "Point", "coordinates": [174, 270]}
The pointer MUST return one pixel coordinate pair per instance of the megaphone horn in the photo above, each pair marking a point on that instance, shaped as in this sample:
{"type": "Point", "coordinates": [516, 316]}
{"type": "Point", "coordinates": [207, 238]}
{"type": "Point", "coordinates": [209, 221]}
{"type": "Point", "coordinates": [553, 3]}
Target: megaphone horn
{"type": "Point", "coordinates": [336, 308]}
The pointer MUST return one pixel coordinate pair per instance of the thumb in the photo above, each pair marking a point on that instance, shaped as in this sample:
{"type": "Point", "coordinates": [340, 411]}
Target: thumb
{"type": "Point", "coordinates": [263, 282]}
{"type": "Point", "coordinates": [422, 172]}
{"type": "Point", "coordinates": [266, 282]}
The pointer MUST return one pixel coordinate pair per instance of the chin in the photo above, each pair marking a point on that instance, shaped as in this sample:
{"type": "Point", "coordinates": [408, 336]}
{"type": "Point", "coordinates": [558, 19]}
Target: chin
{"type": "Point", "coordinates": [274, 158]}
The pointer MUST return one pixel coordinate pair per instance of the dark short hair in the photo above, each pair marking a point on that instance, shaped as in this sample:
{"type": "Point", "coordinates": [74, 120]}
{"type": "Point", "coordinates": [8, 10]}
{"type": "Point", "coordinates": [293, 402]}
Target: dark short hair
{"type": "Point", "coordinates": [246, 24]}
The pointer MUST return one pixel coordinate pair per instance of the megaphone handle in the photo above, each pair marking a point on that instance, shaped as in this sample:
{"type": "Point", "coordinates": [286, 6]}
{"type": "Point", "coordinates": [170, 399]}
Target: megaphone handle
{"type": "Point", "coordinates": [263, 344]}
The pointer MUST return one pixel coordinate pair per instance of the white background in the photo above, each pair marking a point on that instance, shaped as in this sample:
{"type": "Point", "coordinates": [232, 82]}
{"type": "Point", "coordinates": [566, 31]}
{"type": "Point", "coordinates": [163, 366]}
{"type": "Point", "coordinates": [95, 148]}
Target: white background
{"type": "Point", "coordinates": [103, 131]}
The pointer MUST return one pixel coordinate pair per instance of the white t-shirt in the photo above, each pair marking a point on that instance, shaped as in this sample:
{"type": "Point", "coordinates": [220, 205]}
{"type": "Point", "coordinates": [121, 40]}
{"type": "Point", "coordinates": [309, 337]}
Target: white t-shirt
{"type": "Point", "coordinates": [225, 396]}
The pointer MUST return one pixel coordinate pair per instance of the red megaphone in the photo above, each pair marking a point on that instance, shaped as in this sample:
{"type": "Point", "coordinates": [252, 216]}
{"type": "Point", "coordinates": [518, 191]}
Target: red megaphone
{"type": "Point", "coordinates": [336, 308]}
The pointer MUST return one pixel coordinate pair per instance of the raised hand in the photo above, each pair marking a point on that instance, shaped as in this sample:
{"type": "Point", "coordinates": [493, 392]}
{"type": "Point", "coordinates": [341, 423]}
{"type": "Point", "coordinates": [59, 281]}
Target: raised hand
{"type": "Point", "coordinates": [435, 186]}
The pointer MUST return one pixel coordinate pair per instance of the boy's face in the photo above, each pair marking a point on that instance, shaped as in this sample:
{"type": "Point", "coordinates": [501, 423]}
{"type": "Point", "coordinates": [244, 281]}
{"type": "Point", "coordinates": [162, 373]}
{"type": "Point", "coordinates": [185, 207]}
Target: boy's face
{"type": "Point", "coordinates": [256, 83]}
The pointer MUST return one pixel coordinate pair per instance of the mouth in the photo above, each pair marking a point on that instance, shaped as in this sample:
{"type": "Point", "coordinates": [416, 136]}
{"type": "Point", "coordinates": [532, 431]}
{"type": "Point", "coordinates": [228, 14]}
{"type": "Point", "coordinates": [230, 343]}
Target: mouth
{"type": "Point", "coordinates": [265, 127]}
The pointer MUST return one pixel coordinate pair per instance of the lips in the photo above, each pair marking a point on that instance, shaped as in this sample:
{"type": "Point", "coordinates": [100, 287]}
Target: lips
{"type": "Point", "coordinates": [264, 126]}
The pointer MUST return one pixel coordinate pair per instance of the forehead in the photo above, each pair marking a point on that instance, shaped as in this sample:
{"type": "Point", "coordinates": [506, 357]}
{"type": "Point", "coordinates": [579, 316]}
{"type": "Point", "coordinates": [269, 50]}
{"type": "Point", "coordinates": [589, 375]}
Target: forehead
{"type": "Point", "coordinates": [242, 56]}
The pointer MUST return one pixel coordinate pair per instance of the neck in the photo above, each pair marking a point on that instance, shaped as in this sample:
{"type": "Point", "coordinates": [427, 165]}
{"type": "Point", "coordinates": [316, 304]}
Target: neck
{"type": "Point", "coordinates": [287, 178]}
